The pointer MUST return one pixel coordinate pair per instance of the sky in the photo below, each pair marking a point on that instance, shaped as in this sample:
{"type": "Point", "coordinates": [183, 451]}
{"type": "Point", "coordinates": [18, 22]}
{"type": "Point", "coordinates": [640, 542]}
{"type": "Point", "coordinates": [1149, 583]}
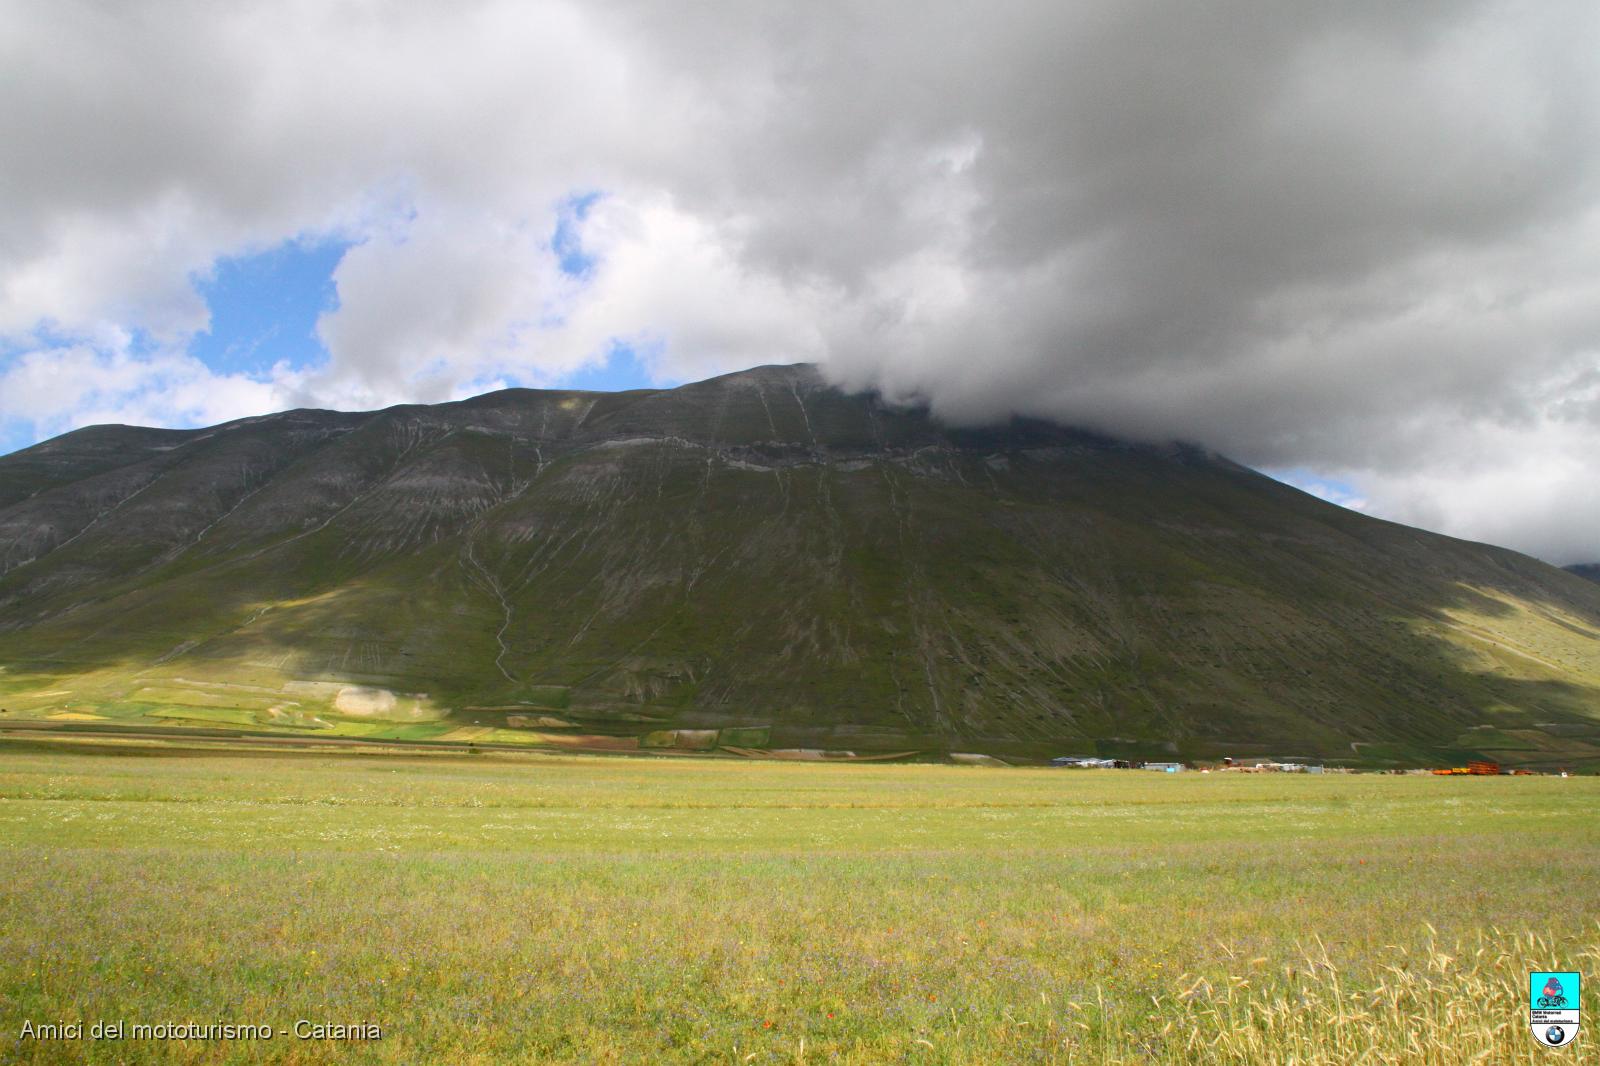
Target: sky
{"type": "Point", "coordinates": [1356, 245]}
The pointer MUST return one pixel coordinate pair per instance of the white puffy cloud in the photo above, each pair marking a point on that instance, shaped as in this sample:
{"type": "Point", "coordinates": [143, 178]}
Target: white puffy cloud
{"type": "Point", "coordinates": [53, 390]}
{"type": "Point", "coordinates": [432, 302]}
{"type": "Point", "coordinates": [675, 288]}
{"type": "Point", "coordinates": [1355, 238]}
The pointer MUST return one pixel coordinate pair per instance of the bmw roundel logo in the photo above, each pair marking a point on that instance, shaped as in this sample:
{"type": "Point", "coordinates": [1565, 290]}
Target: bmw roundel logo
{"type": "Point", "coordinates": [1555, 1035]}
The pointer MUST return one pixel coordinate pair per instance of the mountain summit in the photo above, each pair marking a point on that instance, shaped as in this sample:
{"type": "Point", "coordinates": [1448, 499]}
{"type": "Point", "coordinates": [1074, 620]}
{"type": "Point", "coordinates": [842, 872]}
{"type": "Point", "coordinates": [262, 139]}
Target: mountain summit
{"type": "Point", "coordinates": [762, 552]}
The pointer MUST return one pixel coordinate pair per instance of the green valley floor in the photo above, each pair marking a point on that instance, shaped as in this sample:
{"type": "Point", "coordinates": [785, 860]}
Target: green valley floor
{"type": "Point", "coordinates": [542, 908]}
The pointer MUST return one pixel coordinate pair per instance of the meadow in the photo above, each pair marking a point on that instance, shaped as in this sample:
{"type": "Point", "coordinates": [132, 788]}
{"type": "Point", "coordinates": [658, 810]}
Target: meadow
{"type": "Point", "coordinates": [571, 909]}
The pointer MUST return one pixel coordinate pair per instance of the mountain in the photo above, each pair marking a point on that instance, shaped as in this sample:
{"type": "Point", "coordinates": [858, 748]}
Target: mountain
{"type": "Point", "coordinates": [762, 552]}
{"type": "Point", "coordinates": [1587, 571]}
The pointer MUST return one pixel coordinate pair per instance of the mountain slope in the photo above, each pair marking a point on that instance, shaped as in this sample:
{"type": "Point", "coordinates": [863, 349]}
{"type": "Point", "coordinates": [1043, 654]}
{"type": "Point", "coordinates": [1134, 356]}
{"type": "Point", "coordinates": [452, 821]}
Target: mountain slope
{"type": "Point", "coordinates": [760, 550]}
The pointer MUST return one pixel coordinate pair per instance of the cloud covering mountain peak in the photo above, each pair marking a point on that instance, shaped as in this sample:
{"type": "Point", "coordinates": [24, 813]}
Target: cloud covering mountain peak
{"type": "Point", "coordinates": [1354, 238]}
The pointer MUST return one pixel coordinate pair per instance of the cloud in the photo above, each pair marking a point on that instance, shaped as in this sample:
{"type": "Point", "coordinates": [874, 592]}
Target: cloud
{"type": "Point", "coordinates": [53, 390]}
{"type": "Point", "coordinates": [1359, 239]}
{"type": "Point", "coordinates": [676, 289]}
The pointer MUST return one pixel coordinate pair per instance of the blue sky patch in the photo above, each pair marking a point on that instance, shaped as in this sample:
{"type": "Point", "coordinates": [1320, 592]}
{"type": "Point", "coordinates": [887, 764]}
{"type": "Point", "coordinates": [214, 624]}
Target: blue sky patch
{"type": "Point", "coordinates": [623, 369]}
{"type": "Point", "coordinates": [567, 241]}
{"type": "Point", "coordinates": [1333, 490]}
{"type": "Point", "coordinates": [264, 307]}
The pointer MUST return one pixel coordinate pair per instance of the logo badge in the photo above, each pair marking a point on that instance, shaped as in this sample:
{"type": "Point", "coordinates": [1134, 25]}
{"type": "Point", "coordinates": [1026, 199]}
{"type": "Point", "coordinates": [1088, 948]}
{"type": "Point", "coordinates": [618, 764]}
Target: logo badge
{"type": "Point", "coordinates": [1553, 1006]}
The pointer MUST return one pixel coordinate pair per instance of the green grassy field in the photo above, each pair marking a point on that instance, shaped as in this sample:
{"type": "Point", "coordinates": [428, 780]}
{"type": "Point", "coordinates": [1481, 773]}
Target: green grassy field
{"type": "Point", "coordinates": [540, 908]}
